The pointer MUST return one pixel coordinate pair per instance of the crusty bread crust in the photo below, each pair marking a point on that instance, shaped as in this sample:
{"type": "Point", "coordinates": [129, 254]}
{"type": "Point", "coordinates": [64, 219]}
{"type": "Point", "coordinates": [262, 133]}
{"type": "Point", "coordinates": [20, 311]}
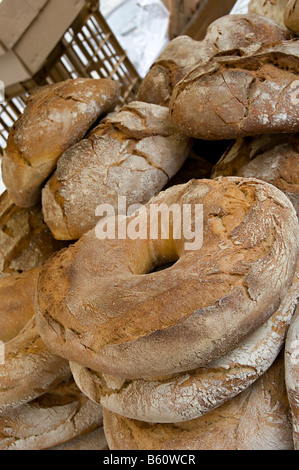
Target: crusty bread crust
{"type": "Point", "coordinates": [55, 418]}
{"type": "Point", "coordinates": [230, 34]}
{"type": "Point", "coordinates": [271, 158]}
{"type": "Point", "coordinates": [26, 241]}
{"type": "Point", "coordinates": [291, 16]}
{"type": "Point", "coordinates": [257, 419]}
{"type": "Point", "coordinates": [292, 373]}
{"type": "Point", "coordinates": [194, 393]}
{"type": "Point", "coordinates": [56, 116]}
{"type": "Point", "coordinates": [94, 440]}
{"type": "Point", "coordinates": [233, 97]}
{"type": "Point", "coordinates": [269, 9]}
{"type": "Point", "coordinates": [30, 368]}
{"type": "Point", "coordinates": [132, 154]}
{"type": "Point", "coordinates": [198, 309]}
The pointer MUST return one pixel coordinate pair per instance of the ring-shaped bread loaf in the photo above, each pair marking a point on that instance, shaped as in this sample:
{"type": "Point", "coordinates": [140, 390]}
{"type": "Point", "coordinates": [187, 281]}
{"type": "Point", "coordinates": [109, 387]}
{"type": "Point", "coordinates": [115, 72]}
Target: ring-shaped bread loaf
{"type": "Point", "coordinates": [191, 394]}
{"type": "Point", "coordinates": [257, 419]}
{"type": "Point", "coordinates": [100, 304]}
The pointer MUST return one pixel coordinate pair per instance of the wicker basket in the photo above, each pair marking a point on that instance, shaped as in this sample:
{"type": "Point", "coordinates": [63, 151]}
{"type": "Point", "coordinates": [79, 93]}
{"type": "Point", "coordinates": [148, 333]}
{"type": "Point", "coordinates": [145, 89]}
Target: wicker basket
{"type": "Point", "coordinates": [87, 49]}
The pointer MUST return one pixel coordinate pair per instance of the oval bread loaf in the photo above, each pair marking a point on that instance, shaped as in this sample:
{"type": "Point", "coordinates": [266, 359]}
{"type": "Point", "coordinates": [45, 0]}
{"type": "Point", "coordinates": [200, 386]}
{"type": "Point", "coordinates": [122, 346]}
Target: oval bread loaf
{"type": "Point", "coordinates": [56, 116]}
{"type": "Point", "coordinates": [132, 154]}
{"type": "Point", "coordinates": [230, 34]}
{"type": "Point", "coordinates": [233, 97]}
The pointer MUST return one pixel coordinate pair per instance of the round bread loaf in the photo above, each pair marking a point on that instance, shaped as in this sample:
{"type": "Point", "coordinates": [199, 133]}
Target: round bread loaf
{"type": "Point", "coordinates": [191, 394]}
{"type": "Point", "coordinates": [231, 97]}
{"type": "Point", "coordinates": [56, 116]}
{"type": "Point", "coordinates": [272, 158]}
{"type": "Point", "coordinates": [291, 16]}
{"type": "Point", "coordinates": [259, 418]}
{"type": "Point", "coordinates": [55, 418]}
{"type": "Point", "coordinates": [100, 304]}
{"type": "Point", "coordinates": [292, 373]}
{"type": "Point", "coordinates": [28, 368]}
{"type": "Point", "coordinates": [231, 34]}
{"type": "Point", "coordinates": [25, 240]}
{"type": "Point", "coordinates": [132, 154]}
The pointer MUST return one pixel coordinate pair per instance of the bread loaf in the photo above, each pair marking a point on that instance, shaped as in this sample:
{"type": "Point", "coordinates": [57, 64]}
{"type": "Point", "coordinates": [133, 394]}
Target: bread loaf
{"type": "Point", "coordinates": [215, 295]}
{"type": "Point", "coordinates": [30, 369]}
{"type": "Point", "coordinates": [191, 394]}
{"type": "Point", "coordinates": [236, 97]}
{"type": "Point", "coordinates": [271, 158]}
{"type": "Point", "coordinates": [231, 34]}
{"type": "Point", "coordinates": [25, 240]}
{"type": "Point", "coordinates": [56, 116]}
{"type": "Point", "coordinates": [257, 419]}
{"type": "Point", "coordinates": [132, 154]}
{"type": "Point", "coordinates": [55, 418]}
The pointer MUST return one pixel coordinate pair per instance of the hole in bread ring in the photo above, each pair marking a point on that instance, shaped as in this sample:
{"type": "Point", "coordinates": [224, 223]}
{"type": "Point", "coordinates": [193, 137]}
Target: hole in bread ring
{"type": "Point", "coordinates": [28, 368]}
{"type": "Point", "coordinates": [95, 308]}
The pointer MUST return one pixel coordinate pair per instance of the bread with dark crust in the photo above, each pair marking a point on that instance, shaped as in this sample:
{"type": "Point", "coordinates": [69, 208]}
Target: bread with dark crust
{"type": "Point", "coordinates": [232, 97]}
{"type": "Point", "coordinates": [230, 34]}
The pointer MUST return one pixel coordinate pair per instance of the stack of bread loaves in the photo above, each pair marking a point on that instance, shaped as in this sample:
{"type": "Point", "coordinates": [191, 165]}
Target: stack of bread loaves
{"type": "Point", "coordinates": [142, 339]}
